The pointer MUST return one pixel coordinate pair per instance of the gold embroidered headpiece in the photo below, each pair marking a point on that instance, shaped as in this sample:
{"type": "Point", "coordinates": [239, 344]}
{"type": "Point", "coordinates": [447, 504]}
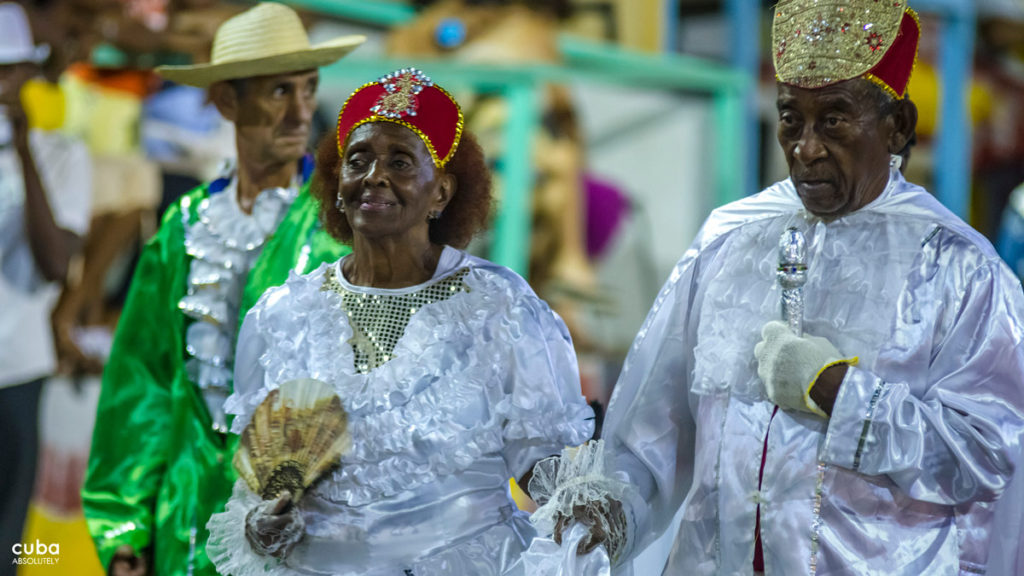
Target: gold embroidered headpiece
{"type": "Point", "coordinates": [821, 42]}
{"type": "Point", "coordinates": [409, 98]}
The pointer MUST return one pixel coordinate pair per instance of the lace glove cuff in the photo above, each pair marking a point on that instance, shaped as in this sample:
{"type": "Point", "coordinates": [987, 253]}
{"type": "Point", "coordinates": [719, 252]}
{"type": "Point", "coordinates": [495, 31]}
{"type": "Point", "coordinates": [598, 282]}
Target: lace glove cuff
{"type": "Point", "coordinates": [573, 488]}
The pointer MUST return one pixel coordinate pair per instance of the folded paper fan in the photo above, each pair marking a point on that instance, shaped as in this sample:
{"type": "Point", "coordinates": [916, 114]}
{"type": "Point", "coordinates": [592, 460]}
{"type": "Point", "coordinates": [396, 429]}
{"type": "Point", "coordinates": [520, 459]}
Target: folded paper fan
{"type": "Point", "coordinates": [297, 434]}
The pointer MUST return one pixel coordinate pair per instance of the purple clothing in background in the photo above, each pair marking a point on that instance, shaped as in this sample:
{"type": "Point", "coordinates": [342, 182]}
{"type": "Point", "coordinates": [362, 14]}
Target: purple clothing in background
{"type": "Point", "coordinates": [606, 209]}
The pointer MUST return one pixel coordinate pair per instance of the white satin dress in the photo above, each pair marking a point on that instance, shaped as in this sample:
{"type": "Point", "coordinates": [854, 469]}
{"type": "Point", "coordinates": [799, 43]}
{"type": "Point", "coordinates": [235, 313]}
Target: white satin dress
{"type": "Point", "coordinates": [479, 384]}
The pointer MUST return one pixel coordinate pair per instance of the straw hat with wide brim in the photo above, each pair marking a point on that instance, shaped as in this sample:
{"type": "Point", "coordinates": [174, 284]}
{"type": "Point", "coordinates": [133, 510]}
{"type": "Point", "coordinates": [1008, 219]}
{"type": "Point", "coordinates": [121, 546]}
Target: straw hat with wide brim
{"type": "Point", "coordinates": [266, 39]}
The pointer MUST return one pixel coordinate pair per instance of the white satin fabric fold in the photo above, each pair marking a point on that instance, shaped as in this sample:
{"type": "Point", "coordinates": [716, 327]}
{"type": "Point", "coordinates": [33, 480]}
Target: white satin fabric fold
{"type": "Point", "coordinates": [925, 435]}
{"type": "Point", "coordinates": [480, 387]}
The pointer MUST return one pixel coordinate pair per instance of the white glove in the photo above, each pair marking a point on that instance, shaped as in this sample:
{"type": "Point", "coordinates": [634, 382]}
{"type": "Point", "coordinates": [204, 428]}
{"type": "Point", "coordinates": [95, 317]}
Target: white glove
{"type": "Point", "coordinates": [789, 366]}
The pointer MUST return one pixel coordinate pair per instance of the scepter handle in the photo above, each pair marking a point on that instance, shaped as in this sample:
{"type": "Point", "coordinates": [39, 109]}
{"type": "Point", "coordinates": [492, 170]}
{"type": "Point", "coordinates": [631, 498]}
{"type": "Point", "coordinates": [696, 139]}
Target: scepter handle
{"type": "Point", "coordinates": [792, 275]}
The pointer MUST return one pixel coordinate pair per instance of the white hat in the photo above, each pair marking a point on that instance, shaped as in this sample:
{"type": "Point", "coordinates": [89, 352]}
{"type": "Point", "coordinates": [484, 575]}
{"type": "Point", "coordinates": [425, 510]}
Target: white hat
{"type": "Point", "coordinates": [266, 39]}
{"type": "Point", "coordinates": [16, 44]}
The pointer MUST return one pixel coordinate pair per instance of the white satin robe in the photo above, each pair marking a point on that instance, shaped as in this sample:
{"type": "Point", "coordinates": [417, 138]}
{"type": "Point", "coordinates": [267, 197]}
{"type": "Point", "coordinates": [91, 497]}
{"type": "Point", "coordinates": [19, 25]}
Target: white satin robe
{"type": "Point", "coordinates": [906, 476]}
{"type": "Point", "coordinates": [480, 386]}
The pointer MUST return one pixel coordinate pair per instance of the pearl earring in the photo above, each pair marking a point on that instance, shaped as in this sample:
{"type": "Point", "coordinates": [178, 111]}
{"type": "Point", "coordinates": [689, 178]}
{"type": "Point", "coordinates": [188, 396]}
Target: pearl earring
{"type": "Point", "coordinates": [895, 161]}
{"type": "Point", "coordinates": [339, 204]}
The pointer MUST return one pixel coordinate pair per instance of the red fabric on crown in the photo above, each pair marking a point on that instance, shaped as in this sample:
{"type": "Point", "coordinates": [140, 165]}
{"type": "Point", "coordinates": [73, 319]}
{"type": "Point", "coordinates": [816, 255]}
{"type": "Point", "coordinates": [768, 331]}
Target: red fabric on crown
{"type": "Point", "coordinates": [898, 63]}
{"type": "Point", "coordinates": [438, 119]}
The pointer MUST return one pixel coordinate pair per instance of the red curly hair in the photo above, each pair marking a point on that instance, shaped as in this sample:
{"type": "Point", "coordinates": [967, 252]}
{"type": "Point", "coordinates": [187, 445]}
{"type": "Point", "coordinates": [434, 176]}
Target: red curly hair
{"type": "Point", "coordinates": [465, 215]}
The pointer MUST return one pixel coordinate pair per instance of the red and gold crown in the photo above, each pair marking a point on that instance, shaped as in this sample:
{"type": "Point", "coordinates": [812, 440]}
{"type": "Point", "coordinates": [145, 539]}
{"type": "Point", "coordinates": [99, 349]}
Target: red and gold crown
{"type": "Point", "coordinates": [409, 98]}
{"type": "Point", "coordinates": [821, 42]}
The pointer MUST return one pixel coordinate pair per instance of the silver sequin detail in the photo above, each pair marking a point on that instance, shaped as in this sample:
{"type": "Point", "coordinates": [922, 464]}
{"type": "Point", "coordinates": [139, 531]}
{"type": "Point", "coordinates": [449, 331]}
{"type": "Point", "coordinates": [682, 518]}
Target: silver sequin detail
{"type": "Point", "coordinates": [879, 384]}
{"type": "Point", "coordinates": [223, 243]}
{"type": "Point", "coordinates": [819, 488]}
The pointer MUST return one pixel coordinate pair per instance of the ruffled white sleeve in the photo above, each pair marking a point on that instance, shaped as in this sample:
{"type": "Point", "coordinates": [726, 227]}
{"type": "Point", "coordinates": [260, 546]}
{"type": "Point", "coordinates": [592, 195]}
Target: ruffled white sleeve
{"type": "Point", "coordinates": [544, 408]}
{"type": "Point", "coordinates": [251, 384]}
{"type": "Point", "coordinates": [227, 547]}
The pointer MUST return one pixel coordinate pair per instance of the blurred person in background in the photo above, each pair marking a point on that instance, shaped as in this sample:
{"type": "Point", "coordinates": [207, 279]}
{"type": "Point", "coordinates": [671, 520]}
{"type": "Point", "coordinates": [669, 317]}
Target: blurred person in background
{"type": "Point", "coordinates": [136, 129]}
{"type": "Point", "coordinates": [160, 457]}
{"type": "Point", "coordinates": [521, 32]}
{"type": "Point", "coordinates": [45, 190]}
{"type": "Point", "coordinates": [1011, 232]}
{"type": "Point", "coordinates": [886, 439]}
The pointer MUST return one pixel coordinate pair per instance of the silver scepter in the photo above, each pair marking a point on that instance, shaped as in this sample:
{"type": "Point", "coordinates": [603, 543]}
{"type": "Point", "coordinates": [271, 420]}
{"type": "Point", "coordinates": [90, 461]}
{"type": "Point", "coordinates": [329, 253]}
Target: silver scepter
{"type": "Point", "coordinates": [792, 274]}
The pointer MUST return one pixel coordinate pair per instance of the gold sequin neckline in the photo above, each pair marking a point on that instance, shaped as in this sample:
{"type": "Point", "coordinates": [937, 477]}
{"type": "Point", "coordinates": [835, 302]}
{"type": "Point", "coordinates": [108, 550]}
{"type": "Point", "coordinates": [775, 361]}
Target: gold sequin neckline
{"type": "Point", "coordinates": [378, 321]}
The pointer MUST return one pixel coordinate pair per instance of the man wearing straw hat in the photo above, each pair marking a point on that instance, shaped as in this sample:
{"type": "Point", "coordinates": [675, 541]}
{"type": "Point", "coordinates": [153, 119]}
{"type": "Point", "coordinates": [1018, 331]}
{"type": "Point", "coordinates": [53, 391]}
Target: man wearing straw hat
{"type": "Point", "coordinates": [45, 193]}
{"type": "Point", "coordinates": [883, 434]}
{"type": "Point", "coordinates": [160, 463]}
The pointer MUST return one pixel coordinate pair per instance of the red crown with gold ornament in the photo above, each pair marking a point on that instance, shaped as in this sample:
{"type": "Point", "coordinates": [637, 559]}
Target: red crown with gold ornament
{"type": "Point", "coordinates": [822, 42]}
{"type": "Point", "coordinates": [410, 98]}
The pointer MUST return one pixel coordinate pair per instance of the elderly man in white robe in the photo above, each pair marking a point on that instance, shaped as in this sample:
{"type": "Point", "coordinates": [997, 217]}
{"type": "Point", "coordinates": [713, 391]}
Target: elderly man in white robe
{"type": "Point", "coordinates": [884, 440]}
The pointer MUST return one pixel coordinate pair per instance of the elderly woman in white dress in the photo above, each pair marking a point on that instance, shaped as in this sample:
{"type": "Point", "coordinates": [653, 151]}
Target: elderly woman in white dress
{"type": "Point", "coordinates": [454, 375]}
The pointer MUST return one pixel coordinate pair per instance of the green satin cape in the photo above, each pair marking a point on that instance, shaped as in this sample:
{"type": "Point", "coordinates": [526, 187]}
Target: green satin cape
{"type": "Point", "coordinates": [157, 470]}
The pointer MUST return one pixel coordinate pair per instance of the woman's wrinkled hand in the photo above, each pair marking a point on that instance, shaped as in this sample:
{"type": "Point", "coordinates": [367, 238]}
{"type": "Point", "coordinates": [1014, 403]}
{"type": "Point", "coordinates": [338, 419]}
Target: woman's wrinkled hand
{"type": "Point", "coordinates": [274, 527]}
{"type": "Point", "coordinates": [606, 522]}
